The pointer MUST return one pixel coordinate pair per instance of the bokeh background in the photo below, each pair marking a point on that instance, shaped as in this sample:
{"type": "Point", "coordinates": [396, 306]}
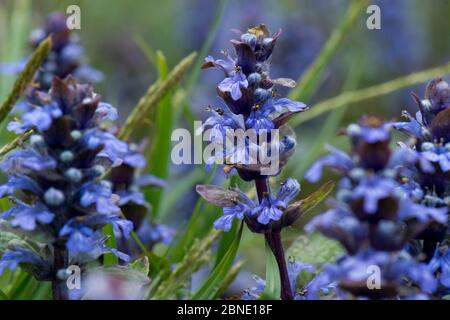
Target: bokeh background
{"type": "Point", "coordinates": [119, 34]}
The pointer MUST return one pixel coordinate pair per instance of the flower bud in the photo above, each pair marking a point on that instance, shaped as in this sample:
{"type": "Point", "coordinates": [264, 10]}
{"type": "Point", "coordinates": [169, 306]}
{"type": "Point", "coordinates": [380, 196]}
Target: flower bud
{"type": "Point", "coordinates": [75, 134]}
{"type": "Point", "coordinates": [353, 130]}
{"type": "Point", "coordinates": [357, 174]}
{"type": "Point", "coordinates": [66, 156]}
{"type": "Point", "coordinates": [73, 174]}
{"type": "Point", "coordinates": [254, 79]}
{"type": "Point", "coordinates": [36, 140]}
{"type": "Point", "coordinates": [262, 94]}
{"type": "Point", "coordinates": [54, 197]}
{"type": "Point", "coordinates": [427, 146]}
{"type": "Point", "coordinates": [249, 39]}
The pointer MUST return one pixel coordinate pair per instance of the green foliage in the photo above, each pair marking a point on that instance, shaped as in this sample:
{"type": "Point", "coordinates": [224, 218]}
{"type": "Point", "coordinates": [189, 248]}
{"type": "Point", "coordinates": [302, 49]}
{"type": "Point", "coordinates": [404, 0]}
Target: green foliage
{"type": "Point", "coordinates": [214, 282]}
{"type": "Point", "coordinates": [16, 143]}
{"type": "Point", "coordinates": [273, 285]}
{"type": "Point", "coordinates": [198, 255]}
{"type": "Point", "coordinates": [310, 80]}
{"type": "Point", "coordinates": [314, 249]}
{"type": "Point", "coordinates": [141, 265]}
{"type": "Point", "coordinates": [110, 259]}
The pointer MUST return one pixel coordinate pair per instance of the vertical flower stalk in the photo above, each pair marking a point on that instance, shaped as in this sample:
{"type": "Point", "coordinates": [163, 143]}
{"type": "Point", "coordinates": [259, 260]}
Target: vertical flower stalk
{"type": "Point", "coordinates": [251, 104]}
{"type": "Point", "coordinates": [55, 183]}
{"type": "Point", "coordinates": [374, 217]}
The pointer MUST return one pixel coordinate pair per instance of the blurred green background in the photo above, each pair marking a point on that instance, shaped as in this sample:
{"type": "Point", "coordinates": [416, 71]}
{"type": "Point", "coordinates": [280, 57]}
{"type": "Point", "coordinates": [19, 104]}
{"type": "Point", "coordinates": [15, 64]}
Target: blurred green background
{"type": "Point", "coordinates": [414, 35]}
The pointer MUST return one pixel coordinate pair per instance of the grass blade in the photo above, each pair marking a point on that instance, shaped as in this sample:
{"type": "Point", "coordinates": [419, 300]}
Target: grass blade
{"type": "Point", "coordinates": [213, 283]}
{"type": "Point", "coordinates": [17, 142]}
{"type": "Point", "coordinates": [3, 296]}
{"type": "Point", "coordinates": [359, 95]}
{"type": "Point", "coordinates": [153, 96]}
{"type": "Point", "coordinates": [310, 79]}
{"type": "Point", "coordinates": [159, 155]}
{"type": "Point", "coordinates": [273, 283]}
{"type": "Point", "coordinates": [25, 77]}
{"type": "Point", "coordinates": [110, 259]}
{"type": "Point", "coordinates": [207, 44]}
{"type": "Point", "coordinates": [179, 190]}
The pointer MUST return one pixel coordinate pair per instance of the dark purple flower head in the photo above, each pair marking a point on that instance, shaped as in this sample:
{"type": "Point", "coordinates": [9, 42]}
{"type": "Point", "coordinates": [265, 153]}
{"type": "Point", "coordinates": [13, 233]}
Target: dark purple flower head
{"type": "Point", "coordinates": [392, 269]}
{"type": "Point", "coordinates": [440, 264]}
{"type": "Point", "coordinates": [55, 182]}
{"type": "Point", "coordinates": [432, 121]}
{"type": "Point", "coordinates": [377, 212]}
{"type": "Point", "coordinates": [249, 92]}
{"type": "Point", "coordinates": [429, 174]}
{"type": "Point", "coordinates": [67, 56]}
{"type": "Point", "coordinates": [370, 141]}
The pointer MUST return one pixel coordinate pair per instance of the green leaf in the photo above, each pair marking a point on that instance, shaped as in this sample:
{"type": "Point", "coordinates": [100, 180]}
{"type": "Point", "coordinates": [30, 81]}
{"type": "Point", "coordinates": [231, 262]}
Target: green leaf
{"type": "Point", "coordinates": [149, 53]}
{"type": "Point", "coordinates": [3, 296]}
{"type": "Point", "coordinates": [22, 286]}
{"type": "Point", "coordinates": [273, 284]}
{"type": "Point", "coordinates": [14, 32]}
{"type": "Point", "coordinates": [179, 190]}
{"type": "Point", "coordinates": [214, 282]}
{"type": "Point", "coordinates": [176, 252]}
{"type": "Point", "coordinates": [25, 77]}
{"type": "Point", "coordinates": [159, 155]}
{"type": "Point", "coordinates": [10, 241]}
{"type": "Point", "coordinates": [17, 142]}
{"type": "Point", "coordinates": [141, 265]}
{"type": "Point", "coordinates": [179, 278]}
{"type": "Point", "coordinates": [230, 277]}
{"type": "Point", "coordinates": [314, 249]}
{"type": "Point", "coordinates": [308, 83]}
{"type": "Point", "coordinates": [110, 259]}
{"type": "Point", "coordinates": [301, 207]}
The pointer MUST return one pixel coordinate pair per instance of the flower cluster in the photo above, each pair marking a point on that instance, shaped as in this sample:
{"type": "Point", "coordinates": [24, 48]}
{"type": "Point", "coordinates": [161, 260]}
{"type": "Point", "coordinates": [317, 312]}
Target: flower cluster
{"type": "Point", "coordinates": [317, 288]}
{"type": "Point", "coordinates": [127, 182]}
{"type": "Point", "coordinates": [374, 216]}
{"type": "Point", "coordinates": [56, 181]}
{"type": "Point", "coordinates": [251, 103]}
{"type": "Point", "coordinates": [429, 176]}
{"type": "Point", "coordinates": [66, 57]}
{"type": "Point", "coordinates": [237, 205]}
{"type": "Point", "coordinates": [255, 114]}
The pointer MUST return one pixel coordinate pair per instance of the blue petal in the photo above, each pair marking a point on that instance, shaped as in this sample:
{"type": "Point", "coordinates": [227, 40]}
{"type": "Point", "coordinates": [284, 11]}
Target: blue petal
{"type": "Point", "coordinates": [24, 161]}
{"type": "Point", "coordinates": [337, 159]}
{"type": "Point", "coordinates": [19, 183]}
